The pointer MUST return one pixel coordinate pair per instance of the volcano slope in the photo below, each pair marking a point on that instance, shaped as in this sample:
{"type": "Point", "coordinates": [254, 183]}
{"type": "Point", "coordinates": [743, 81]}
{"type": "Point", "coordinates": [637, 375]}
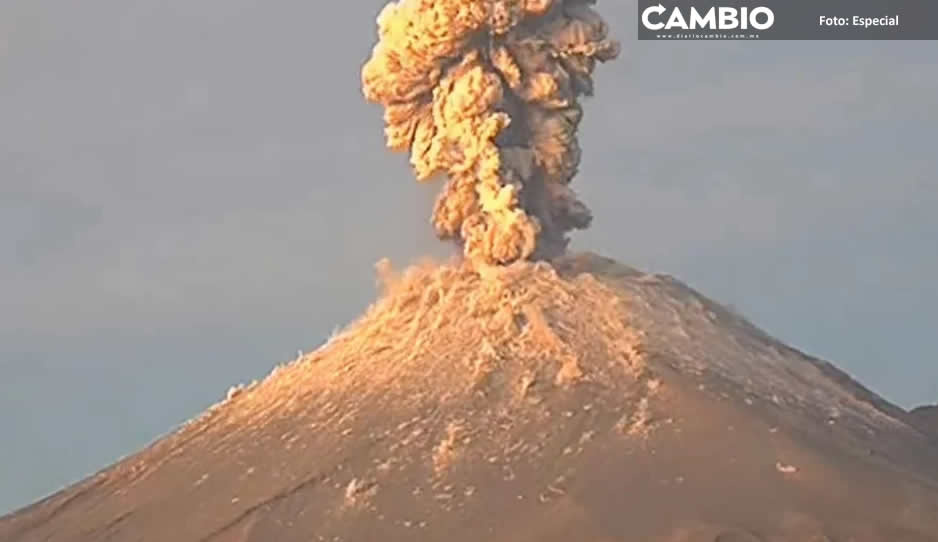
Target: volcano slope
{"type": "Point", "coordinates": [585, 401]}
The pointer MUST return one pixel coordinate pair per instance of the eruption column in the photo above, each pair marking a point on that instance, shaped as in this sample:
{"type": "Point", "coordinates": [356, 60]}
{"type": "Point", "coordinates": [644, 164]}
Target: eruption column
{"type": "Point", "coordinates": [486, 92]}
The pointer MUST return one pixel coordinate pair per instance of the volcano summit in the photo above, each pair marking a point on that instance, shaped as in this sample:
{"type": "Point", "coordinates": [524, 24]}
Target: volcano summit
{"type": "Point", "coordinates": [583, 400]}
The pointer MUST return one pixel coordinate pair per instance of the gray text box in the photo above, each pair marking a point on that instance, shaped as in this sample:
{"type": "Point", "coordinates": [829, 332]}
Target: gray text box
{"type": "Point", "coordinates": [788, 19]}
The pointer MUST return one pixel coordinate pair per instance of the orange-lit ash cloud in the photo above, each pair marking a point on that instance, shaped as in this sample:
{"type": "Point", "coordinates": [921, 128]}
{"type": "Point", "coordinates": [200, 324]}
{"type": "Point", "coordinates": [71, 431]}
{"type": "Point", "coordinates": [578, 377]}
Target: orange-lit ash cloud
{"type": "Point", "coordinates": [486, 92]}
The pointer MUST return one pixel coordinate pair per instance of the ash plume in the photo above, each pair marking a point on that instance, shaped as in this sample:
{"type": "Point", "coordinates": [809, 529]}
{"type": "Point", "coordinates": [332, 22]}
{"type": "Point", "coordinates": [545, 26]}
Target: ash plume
{"type": "Point", "coordinates": [486, 92]}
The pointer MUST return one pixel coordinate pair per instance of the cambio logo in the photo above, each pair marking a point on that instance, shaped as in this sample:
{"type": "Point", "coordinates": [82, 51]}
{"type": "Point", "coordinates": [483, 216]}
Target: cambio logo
{"type": "Point", "coordinates": [716, 18]}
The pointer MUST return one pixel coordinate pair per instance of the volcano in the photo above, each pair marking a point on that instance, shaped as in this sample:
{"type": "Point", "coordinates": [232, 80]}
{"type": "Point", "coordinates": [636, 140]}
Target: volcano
{"type": "Point", "coordinates": [582, 400]}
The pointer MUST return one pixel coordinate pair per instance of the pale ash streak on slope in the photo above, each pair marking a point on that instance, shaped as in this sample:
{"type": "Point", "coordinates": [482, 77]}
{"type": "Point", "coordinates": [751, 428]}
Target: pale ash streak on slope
{"type": "Point", "coordinates": [487, 92]}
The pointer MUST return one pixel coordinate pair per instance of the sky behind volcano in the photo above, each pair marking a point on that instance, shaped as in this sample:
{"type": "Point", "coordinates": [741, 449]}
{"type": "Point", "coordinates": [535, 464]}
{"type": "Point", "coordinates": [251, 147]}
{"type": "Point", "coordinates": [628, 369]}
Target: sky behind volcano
{"type": "Point", "coordinates": [191, 192]}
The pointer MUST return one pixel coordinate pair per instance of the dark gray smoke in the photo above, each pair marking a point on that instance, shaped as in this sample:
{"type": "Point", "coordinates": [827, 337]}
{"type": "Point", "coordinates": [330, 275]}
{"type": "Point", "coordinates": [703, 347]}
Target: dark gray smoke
{"type": "Point", "coordinates": [486, 92]}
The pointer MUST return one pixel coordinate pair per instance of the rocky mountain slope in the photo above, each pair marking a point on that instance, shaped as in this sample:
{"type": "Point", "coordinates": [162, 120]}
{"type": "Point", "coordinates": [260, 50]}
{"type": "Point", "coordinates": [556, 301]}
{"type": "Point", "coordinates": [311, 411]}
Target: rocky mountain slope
{"type": "Point", "coordinates": [583, 401]}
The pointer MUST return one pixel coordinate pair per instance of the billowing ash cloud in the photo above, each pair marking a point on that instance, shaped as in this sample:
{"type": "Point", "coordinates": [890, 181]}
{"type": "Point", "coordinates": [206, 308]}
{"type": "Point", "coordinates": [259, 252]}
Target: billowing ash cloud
{"type": "Point", "coordinates": [486, 92]}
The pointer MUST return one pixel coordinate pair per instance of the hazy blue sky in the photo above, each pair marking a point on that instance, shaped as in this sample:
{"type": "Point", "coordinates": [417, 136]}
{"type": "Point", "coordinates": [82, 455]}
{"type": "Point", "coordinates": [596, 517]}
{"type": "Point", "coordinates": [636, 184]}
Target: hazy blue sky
{"type": "Point", "coordinates": [191, 191]}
